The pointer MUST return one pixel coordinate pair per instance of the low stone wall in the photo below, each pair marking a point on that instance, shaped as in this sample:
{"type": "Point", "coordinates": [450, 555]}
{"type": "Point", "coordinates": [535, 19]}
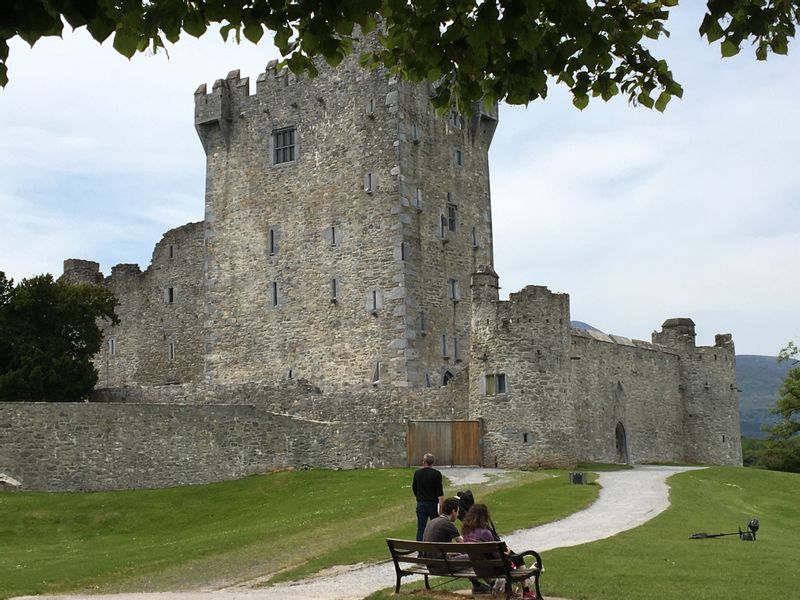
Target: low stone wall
{"type": "Point", "coordinates": [107, 446]}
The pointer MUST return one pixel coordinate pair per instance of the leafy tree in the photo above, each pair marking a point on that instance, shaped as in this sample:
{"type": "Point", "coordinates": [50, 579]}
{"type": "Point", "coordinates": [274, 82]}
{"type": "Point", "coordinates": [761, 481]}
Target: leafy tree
{"type": "Point", "coordinates": [49, 334]}
{"type": "Point", "coordinates": [788, 404]}
{"type": "Point", "coordinates": [476, 49]}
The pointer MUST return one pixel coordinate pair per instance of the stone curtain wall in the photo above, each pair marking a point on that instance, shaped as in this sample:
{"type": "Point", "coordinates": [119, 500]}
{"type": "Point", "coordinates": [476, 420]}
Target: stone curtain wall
{"type": "Point", "coordinates": [617, 380]}
{"type": "Point", "coordinates": [185, 434]}
{"type": "Point", "coordinates": [91, 447]}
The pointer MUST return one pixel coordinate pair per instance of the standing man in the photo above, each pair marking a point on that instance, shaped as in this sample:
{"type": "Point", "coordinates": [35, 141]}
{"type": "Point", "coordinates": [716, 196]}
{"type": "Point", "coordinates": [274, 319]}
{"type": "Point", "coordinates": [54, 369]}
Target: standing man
{"type": "Point", "coordinates": [427, 486]}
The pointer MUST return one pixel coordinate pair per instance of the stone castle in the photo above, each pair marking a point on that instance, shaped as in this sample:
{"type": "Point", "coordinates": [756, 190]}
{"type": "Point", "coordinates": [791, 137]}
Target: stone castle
{"type": "Point", "coordinates": [338, 307]}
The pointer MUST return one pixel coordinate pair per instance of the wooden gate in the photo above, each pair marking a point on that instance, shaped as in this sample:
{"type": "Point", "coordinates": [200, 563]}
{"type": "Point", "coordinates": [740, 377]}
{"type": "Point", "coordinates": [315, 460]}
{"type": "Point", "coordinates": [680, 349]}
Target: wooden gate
{"type": "Point", "coordinates": [450, 442]}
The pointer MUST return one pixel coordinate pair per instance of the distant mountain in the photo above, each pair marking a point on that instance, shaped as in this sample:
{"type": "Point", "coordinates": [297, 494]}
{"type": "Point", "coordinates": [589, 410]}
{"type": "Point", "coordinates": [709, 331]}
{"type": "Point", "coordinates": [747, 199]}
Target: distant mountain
{"type": "Point", "coordinates": [759, 380]}
{"type": "Point", "coordinates": [584, 326]}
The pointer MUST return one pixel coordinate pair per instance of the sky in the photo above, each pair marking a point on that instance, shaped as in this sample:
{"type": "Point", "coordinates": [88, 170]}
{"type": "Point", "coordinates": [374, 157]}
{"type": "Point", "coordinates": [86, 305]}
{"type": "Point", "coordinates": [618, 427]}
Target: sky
{"type": "Point", "coordinates": [639, 216]}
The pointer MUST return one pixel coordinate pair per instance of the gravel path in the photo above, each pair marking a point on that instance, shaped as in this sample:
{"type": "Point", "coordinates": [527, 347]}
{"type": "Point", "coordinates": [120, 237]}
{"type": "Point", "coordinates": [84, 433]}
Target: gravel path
{"type": "Point", "coordinates": [617, 509]}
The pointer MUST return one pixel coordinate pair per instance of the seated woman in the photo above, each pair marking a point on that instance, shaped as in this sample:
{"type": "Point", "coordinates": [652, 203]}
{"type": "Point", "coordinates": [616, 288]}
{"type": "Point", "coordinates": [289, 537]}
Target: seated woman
{"type": "Point", "coordinates": [476, 529]}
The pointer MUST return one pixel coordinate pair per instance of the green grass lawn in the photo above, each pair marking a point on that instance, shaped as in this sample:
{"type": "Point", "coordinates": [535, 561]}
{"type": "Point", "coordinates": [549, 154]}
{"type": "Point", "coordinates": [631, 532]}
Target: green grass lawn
{"type": "Point", "coordinates": [290, 523]}
{"type": "Point", "coordinates": [658, 561]}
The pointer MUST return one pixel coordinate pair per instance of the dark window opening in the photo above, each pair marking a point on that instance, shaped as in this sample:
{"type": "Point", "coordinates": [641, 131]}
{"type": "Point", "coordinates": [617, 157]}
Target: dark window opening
{"type": "Point", "coordinates": [283, 142]}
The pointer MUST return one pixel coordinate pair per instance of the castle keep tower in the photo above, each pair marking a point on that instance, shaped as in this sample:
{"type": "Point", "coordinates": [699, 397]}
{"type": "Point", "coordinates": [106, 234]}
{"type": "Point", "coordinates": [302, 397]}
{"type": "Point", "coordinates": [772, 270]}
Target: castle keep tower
{"type": "Point", "coordinates": [343, 220]}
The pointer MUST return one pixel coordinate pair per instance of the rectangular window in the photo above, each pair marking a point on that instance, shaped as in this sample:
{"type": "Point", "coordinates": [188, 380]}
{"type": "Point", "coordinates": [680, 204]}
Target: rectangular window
{"type": "Point", "coordinates": [423, 321]}
{"type": "Point", "coordinates": [271, 242]}
{"type": "Point", "coordinates": [370, 106]}
{"type": "Point", "coordinates": [333, 235]}
{"type": "Point", "coordinates": [403, 251]}
{"type": "Point", "coordinates": [418, 199]}
{"type": "Point", "coordinates": [444, 346]}
{"type": "Point", "coordinates": [369, 182]}
{"type": "Point", "coordinates": [374, 300]}
{"type": "Point", "coordinates": [169, 295]}
{"type": "Point", "coordinates": [459, 158]}
{"type": "Point", "coordinates": [274, 293]}
{"type": "Point", "coordinates": [414, 133]}
{"type": "Point", "coordinates": [474, 237]}
{"type": "Point", "coordinates": [451, 217]}
{"type": "Point", "coordinates": [171, 251]}
{"type": "Point", "coordinates": [456, 349]}
{"type": "Point", "coordinates": [455, 119]}
{"type": "Point", "coordinates": [495, 384]}
{"type": "Point", "coordinates": [443, 227]}
{"type": "Point", "coordinates": [112, 346]}
{"type": "Point", "coordinates": [171, 351]}
{"type": "Point", "coordinates": [283, 144]}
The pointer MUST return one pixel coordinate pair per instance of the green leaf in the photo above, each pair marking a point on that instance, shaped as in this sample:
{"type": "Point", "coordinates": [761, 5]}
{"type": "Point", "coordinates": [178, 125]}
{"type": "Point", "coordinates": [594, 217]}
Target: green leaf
{"type": "Point", "coordinates": [193, 24]}
{"type": "Point", "coordinates": [3, 74]}
{"type": "Point", "coordinates": [645, 100]}
{"type": "Point", "coordinates": [253, 31]}
{"type": "Point", "coordinates": [729, 49]}
{"type": "Point", "coordinates": [126, 42]}
{"type": "Point", "coordinates": [779, 45]}
{"type": "Point", "coordinates": [662, 101]}
{"type": "Point", "coordinates": [580, 102]}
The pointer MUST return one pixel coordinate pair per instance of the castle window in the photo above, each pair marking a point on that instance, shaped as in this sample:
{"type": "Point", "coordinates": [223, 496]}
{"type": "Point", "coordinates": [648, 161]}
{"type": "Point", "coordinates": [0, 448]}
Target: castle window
{"type": "Point", "coordinates": [495, 384]}
{"type": "Point", "coordinates": [272, 247]}
{"type": "Point", "coordinates": [423, 322]}
{"type": "Point", "coordinates": [418, 199]}
{"type": "Point", "coordinates": [414, 133]}
{"type": "Point", "coordinates": [370, 106]}
{"type": "Point", "coordinates": [443, 227]}
{"type": "Point", "coordinates": [459, 158]}
{"type": "Point", "coordinates": [376, 373]}
{"type": "Point", "coordinates": [283, 144]}
{"type": "Point", "coordinates": [369, 183]}
{"type": "Point", "coordinates": [171, 351]}
{"type": "Point", "coordinates": [444, 346]}
{"type": "Point", "coordinates": [169, 295]}
{"type": "Point", "coordinates": [112, 346]}
{"type": "Point", "coordinates": [427, 380]}
{"type": "Point", "coordinates": [451, 217]}
{"type": "Point", "coordinates": [403, 251]}
{"type": "Point", "coordinates": [171, 251]}
{"type": "Point", "coordinates": [334, 290]}
{"type": "Point", "coordinates": [454, 292]}
{"type": "Point", "coordinates": [474, 237]}
{"type": "Point", "coordinates": [456, 349]}
{"type": "Point", "coordinates": [374, 301]}
{"type": "Point", "coordinates": [274, 293]}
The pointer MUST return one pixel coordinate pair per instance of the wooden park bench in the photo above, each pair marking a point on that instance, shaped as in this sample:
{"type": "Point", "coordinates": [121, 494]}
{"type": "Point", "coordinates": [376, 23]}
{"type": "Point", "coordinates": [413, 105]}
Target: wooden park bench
{"type": "Point", "coordinates": [487, 560]}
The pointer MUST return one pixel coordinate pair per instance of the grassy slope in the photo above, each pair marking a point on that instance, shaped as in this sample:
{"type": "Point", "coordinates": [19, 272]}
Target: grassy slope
{"type": "Point", "coordinates": [217, 534]}
{"type": "Point", "coordinates": [658, 561]}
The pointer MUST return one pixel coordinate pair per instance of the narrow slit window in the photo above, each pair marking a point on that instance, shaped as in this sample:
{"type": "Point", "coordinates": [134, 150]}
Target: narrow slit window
{"type": "Point", "coordinates": [369, 183]}
{"type": "Point", "coordinates": [474, 237]}
{"type": "Point", "coordinates": [274, 293]}
{"type": "Point", "coordinates": [376, 373]}
{"type": "Point", "coordinates": [459, 158]}
{"type": "Point", "coordinates": [403, 251]}
{"type": "Point", "coordinates": [423, 321]}
{"type": "Point", "coordinates": [169, 295]}
{"type": "Point", "coordinates": [414, 132]}
{"type": "Point", "coordinates": [418, 198]}
{"type": "Point", "coordinates": [454, 290]}
{"type": "Point", "coordinates": [333, 235]}
{"type": "Point", "coordinates": [171, 251]}
{"type": "Point", "coordinates": [171, 351]}
{"type": "Point", "coordinates": [334, 290]}
{"type": "Point", "coordinates": [112, 346]}
{"type": "Point", "coordinates": [456, 349]}
{"type": "Point", "coordinates": [443, 227]}
{"type": "Point", "coordinates": [271, 242]}
{"type": "Point", "coordinates": [444, 345]}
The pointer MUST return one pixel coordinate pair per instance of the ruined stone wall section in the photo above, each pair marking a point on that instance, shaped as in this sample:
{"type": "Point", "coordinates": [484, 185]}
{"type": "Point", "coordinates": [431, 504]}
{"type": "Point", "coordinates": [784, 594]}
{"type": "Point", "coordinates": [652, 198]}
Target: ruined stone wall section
{"type": "Point", "coordinates": [159, 338]}
{"type": "Point", "coordinates": [93, 447]}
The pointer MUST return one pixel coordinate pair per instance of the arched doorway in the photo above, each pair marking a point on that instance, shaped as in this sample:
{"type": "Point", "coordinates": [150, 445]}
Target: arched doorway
{"type": "Point", "coordinates": [621, 443]}
{"type": "Point", "coordinates": [446, 377]}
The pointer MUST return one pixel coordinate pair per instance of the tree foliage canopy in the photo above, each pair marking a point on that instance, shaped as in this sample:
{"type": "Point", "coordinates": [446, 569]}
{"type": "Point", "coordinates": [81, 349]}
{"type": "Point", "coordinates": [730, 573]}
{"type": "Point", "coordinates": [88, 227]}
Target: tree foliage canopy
{"type": "Point", "coordinates": [49, 334]}
{"type": "Point", "coordinates": [477, 49]}
{"type": "Point", "coordinates": [788, 404]}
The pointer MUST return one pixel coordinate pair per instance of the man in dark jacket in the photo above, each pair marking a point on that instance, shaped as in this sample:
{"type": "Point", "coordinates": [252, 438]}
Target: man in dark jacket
{"type": "Point", "coordinates": [427, 486]}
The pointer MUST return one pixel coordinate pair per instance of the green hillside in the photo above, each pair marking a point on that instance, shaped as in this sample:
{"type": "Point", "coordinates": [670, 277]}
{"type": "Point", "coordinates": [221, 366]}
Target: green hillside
{"type": "Point", "coordinates": [759, 379]}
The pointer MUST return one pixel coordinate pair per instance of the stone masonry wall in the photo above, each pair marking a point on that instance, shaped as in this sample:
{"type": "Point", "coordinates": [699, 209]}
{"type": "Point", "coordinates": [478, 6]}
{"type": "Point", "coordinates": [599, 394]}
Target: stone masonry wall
{"type": "Point", "coordinates": [90, 447]}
